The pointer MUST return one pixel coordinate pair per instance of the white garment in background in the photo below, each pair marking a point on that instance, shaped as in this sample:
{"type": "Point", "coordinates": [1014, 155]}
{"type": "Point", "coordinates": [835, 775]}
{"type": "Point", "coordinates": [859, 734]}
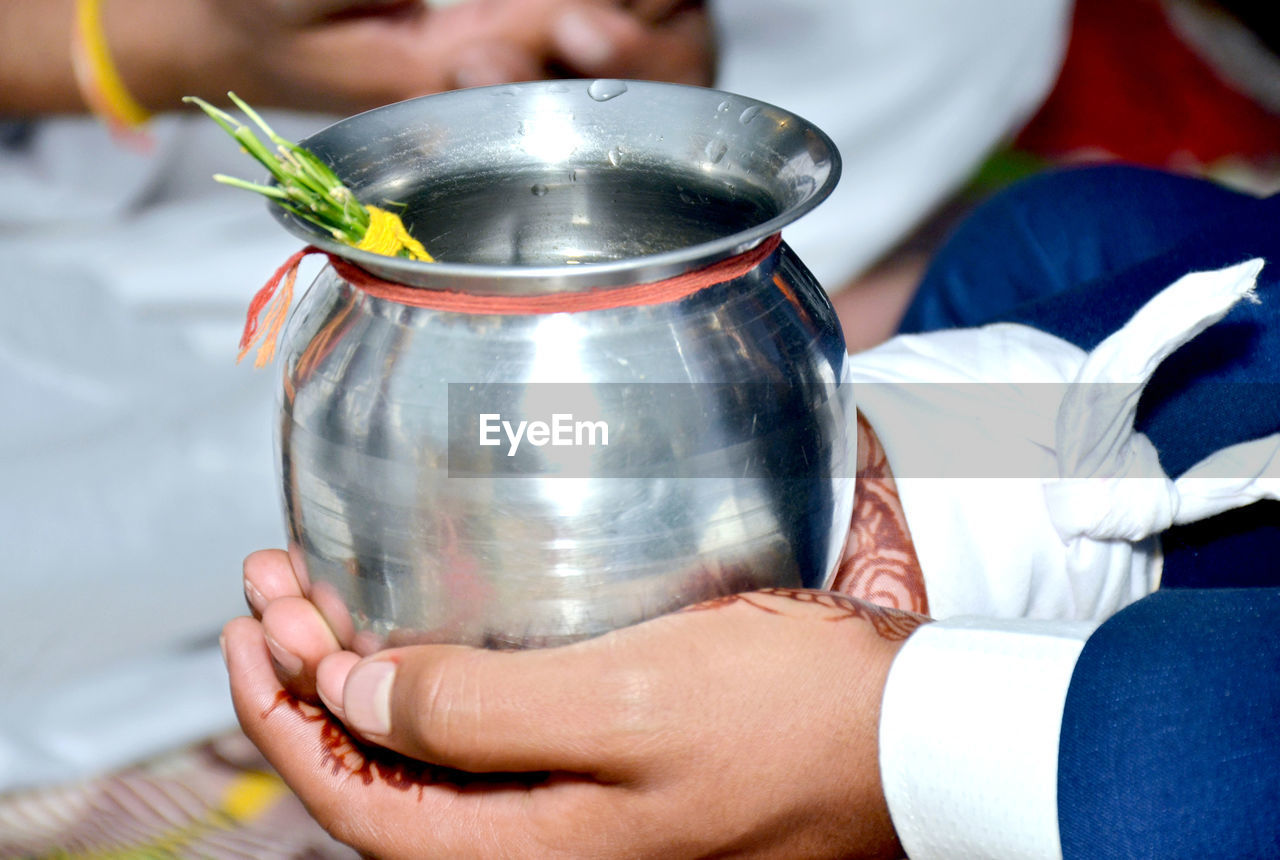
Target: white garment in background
{"type": "Point", "coordinates": [136, 466]}
{"type": "Point", "coordinates": [915, 94]}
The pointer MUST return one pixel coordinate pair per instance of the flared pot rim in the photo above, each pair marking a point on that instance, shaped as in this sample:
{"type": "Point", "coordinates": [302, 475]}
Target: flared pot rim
{"type": "Point", "coordinates": [743, 146]}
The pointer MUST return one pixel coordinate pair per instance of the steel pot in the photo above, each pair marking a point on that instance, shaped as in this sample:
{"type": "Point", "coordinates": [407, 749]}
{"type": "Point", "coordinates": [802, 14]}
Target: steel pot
{"type": "Point", "coordinates": [729, 457]}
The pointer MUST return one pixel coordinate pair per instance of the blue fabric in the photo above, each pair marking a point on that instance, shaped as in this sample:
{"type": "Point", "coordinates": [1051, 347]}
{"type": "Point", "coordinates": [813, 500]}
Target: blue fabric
{"type": "Point", "coordinates": [1062, 230]}
{"type": "Point", "coordinates": [1076, 253]}
{"type": "Point", "coordinates": [1170, 744]}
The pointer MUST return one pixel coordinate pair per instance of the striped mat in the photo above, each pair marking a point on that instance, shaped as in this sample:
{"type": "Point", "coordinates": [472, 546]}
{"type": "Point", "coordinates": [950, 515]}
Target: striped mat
{"type": "Point", "coordinates": [216, 800]}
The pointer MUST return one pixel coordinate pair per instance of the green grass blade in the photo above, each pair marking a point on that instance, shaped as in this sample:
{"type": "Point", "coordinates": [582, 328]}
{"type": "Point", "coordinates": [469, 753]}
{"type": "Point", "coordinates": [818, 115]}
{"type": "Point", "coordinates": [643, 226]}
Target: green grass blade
{"type": "Point", "coordinates": [305, 186]}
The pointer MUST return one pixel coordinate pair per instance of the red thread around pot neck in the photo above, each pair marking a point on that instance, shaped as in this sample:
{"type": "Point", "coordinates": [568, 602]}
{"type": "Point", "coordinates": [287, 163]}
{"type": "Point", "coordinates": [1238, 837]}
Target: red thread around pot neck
{"type": "Point", "coordinates": [276, 295]}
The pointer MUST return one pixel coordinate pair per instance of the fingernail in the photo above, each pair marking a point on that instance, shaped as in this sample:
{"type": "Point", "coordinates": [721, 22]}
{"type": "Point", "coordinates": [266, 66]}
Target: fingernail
{"type": "Point", "coordinates": [367, 697]}
{"type": "Point", "coordinates": [582, 42]}
{"type": "Point", "coordinates": [222, 646]}
{"type": "Point", "coordinates": [253, 597]}
{"type": "Point", "coordinates": [333, 707]}
{"type": "Point", "coordinates": [289, 663]}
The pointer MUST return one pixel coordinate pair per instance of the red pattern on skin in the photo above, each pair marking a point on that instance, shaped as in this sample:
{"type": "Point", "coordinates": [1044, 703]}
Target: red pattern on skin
{"type": "Point", "coordinates": [344, 754]}
{"type": "Point", "coordinates": [892, 624]}
{"type": "Point", "coordinates": [374, 765]}
{"type": "Point", "coordinates": [880, 563]}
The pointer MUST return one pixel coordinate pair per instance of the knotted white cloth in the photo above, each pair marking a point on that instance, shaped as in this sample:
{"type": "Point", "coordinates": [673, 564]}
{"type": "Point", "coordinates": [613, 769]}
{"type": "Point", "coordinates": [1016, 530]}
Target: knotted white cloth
{"type": "Point", "coordinates": [1027, 490]}
{"type": "Point", "coordinates": [1112, 488]}
{"type": "Point", "coordinates": [1112, 485]}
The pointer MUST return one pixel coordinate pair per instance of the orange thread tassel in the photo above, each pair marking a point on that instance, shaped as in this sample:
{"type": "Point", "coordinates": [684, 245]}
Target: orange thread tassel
{"type": "Point", "coordinates": [277, 310]}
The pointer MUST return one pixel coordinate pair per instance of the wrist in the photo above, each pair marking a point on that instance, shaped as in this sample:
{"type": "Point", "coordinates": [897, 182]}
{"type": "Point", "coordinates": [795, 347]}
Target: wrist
{"type": "Point", "coordinates": [869, 816]}
{"type": "Point", "coordinates": [181, 51]}
{"type": "Point", "coordinates": [881, 813]}
{"type": "Point", "coordinates": [35, 74]}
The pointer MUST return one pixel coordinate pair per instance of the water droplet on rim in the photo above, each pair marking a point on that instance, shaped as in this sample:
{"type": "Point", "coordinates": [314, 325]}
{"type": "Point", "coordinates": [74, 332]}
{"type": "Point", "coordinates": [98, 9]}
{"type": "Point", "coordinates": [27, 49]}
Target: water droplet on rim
{"type": "Point", "coordinates": [615, 157]}
{"type": "Point", "coordinates": [603, 90]}
{"type": "Point", "coordinates": [749, 114]}
{"type": "Point", "coordinates": [539, 190]}
{"type": "Point", "coordinates": [716, 150]}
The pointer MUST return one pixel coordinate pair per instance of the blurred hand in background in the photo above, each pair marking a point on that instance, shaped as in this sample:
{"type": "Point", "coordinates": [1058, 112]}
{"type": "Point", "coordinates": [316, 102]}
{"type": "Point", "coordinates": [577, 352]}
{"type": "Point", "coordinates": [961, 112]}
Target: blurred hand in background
{"type": "Point", "coordinates": [344, 56]}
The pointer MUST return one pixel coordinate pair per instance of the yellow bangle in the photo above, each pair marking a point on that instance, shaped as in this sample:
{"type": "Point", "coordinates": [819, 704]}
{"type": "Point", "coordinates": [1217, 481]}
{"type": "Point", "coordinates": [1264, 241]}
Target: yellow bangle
{"type": "Point", "coordinates": [97, 77]}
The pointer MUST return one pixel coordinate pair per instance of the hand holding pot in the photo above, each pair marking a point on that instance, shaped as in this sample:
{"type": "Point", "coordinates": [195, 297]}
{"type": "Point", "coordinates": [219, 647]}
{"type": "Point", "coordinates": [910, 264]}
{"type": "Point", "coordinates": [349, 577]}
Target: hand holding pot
{"type": "Point", "coordinates": [747, 724]}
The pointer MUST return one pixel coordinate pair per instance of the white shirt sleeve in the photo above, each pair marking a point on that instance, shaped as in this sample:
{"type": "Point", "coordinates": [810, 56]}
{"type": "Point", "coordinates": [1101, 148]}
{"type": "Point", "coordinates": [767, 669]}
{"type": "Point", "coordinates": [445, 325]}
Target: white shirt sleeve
{"type": "Point", "coordinates": [969, 737]}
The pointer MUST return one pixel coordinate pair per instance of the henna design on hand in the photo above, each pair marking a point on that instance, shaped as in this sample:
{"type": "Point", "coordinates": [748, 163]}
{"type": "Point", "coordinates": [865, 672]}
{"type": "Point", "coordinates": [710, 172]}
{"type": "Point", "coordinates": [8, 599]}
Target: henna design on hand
{"type": "Point", "coordinates": [892, 624]}
{"type": "Point", "coordinates": [880, 563]}
{"type": "Point", "coordinates": [342, 753]}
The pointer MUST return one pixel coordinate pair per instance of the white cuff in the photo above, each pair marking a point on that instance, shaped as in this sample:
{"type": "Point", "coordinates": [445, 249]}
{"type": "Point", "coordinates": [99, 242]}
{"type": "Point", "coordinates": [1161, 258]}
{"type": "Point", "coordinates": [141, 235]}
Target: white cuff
{"type": "Point", "coordinates": [969, 736]}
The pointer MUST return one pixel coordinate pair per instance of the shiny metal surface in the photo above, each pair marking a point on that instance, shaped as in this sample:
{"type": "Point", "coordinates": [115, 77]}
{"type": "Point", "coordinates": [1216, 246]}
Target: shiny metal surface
{"type": "Point", "coordinates": [742, 478]}
{"type": "Point", "coordinates": [512, 188]}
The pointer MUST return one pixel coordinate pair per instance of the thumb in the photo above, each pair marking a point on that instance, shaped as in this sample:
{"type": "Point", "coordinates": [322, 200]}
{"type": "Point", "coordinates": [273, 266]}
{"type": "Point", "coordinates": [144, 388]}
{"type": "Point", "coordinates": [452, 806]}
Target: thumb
{"type": "Point", "coordinates": [576, 709]}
